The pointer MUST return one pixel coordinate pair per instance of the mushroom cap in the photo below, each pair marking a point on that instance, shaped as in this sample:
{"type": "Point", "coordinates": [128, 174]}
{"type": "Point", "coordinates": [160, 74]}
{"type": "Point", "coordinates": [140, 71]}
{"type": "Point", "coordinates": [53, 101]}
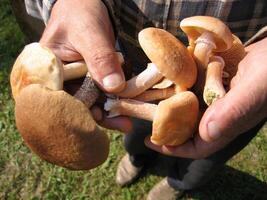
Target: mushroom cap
{"type": "Point", "coordinates": [169, 55]}
{"type": "Point", "coordinates": [60, 128]}
{"type": "Point", "coordinates": [175, 119]}
{"type": "Point", "coordinates": [196, 25]}
{"type": "Point", "coordinates": [232, 58]}
{"type": "Point", "coordinates": [36, 64]}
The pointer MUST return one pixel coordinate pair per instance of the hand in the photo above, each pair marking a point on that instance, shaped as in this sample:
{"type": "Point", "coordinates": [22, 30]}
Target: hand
{"type": "Point", "coordinates": [243, 107]}
{"type": "Point", "coordinates": [80, 30]}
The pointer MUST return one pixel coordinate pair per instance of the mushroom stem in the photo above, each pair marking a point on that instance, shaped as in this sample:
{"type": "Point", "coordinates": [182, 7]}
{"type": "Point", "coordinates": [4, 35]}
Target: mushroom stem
{"type": "Point", "coordinates": [130, 107]}
{"type": "Point", "coordinates": [214, 89]}
{"type": "Point", "coordinates": [164, 83]}
{"type": "Point", "coordinates": [74, 70]}
{"type": "Point", "coordinates": [156, 94]}
{"type": "Point", "coordinates": [141, 82]}
{"type": "Point", "coordinates": [88, 92]}
{"type": "Point", "coordinates": [203, 49]}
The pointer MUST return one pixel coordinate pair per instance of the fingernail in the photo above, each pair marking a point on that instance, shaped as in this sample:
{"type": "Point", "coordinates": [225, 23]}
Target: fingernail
{"type": "Point", "coordinates": [113, 81]}
{"type": "Point", "coordinates": [214, 130]}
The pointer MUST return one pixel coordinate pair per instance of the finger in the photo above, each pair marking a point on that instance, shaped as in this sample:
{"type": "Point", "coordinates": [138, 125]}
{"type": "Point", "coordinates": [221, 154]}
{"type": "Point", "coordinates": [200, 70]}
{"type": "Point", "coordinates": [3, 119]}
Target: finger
{"type": "Point", "coordinates": [241, 109]}
{"type": "Point", "coordinates": [194, 149]}
{"type": "Point", "coordinates": [122, 124]}
{"type": "Point", "coordinates": [97, 48]}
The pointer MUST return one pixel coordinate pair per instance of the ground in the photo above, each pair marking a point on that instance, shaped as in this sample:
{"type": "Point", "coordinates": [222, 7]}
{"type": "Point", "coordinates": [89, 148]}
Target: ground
{"type": "Point", "coordinates": [24, 176]}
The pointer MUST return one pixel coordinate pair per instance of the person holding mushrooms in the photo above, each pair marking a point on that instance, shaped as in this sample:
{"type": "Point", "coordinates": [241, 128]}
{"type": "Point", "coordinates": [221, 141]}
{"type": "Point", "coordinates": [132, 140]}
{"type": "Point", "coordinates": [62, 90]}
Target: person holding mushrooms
{"type": "Point", "coordinates": [77, 30]}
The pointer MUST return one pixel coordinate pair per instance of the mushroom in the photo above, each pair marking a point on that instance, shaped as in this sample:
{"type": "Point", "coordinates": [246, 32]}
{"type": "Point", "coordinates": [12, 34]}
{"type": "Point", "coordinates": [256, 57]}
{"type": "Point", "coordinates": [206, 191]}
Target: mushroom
{"type": "Point", "coordinates": [170, 59]}
{"type": "Point", "coordinates": [214, 89]}
{"type": "Point", "coordinates": [30, 67]}
{"type": "Point", "coordinates": [206, 35]}
{"type": "Point", "coordinates": [56, 126]}
{"type": "Point", "coordinates": [59, 128]}
{"type": "Point", "coordinates": [174, 119]}
{"type": "Point", "coordinates": [170, 56]}
{"type": "Point", "coordinates": [141, 82]}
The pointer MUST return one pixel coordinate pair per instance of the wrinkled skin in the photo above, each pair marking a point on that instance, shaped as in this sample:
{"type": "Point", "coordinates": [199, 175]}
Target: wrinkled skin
{"type": "Point", "coordinates": [78, 31]}
{"type": "Point", "coordinates": [243, 107]}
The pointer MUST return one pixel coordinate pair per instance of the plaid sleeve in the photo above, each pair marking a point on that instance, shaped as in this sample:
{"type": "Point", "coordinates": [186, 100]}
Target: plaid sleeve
{"type": "Point", "coordinates": [39, 8]}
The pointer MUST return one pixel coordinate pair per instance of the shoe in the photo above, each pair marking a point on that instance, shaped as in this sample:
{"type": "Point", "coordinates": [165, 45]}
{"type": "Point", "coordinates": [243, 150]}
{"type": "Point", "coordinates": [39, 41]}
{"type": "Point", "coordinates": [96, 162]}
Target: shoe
{"type": "Point", "coordinates": [163, 191]}
{"type": "Point", "coordinates": [127, 172]}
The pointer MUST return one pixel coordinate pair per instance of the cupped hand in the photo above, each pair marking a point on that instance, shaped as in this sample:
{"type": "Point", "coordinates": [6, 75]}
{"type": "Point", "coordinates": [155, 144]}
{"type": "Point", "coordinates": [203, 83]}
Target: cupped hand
{"type": "Point", "coordinates": [81, 30]}
{"type": "Point", "coordinates": [243, 107]}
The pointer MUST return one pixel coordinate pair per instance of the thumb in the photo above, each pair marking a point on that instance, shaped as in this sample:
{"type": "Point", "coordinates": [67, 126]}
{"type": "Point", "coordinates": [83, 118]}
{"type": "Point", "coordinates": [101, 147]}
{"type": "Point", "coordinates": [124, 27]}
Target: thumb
{"type": "Point", "coordinates": [242, 108]}
{"type": "Point", "coordinates": [97, 47]}
{"type": "Point", "coordinates": [104, 65]}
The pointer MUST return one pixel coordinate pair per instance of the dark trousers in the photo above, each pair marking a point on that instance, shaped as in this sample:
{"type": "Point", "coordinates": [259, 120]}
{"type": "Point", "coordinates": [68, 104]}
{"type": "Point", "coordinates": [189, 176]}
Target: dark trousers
{"type": "Point", "coordinates": [185, 174]}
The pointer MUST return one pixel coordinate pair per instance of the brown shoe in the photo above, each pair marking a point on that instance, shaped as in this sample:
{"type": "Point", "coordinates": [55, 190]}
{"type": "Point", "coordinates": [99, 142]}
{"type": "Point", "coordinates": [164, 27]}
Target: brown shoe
{"type": "Point", "coordinates": [127, 172]}
{"type": "Point", "coordinates": [163, 191]}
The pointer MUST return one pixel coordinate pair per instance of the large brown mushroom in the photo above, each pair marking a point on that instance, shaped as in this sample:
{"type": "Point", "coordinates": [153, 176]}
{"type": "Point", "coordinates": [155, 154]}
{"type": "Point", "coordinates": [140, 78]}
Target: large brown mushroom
{"type": "Point", "coordinates": [59, 128]}
{"type": "Point", "coordinates": [56, 126]}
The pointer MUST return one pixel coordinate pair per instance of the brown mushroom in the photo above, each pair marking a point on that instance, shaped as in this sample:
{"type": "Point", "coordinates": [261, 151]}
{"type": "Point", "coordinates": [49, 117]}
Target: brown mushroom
{"type": "Point", "coordinates": [207, 35]}
{"type": "Point", "coordinates": [169, 56]}
{"type": "Point", "coordinates": [59, 128]}
{"type": "Point", "coordinates": [56, 126]}
{"type": "Point", "coordinates": [174, 119]}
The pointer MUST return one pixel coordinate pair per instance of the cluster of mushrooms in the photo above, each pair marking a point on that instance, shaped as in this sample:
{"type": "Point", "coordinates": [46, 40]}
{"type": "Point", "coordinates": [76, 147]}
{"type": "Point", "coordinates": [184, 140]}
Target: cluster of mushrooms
{"type": "Point", "coordinates": [59, 126]}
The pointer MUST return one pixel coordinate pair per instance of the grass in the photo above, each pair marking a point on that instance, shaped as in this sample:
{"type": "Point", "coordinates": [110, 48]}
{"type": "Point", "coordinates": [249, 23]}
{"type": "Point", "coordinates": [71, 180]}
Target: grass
{"type": "Point", "coordinates": [25, 176]}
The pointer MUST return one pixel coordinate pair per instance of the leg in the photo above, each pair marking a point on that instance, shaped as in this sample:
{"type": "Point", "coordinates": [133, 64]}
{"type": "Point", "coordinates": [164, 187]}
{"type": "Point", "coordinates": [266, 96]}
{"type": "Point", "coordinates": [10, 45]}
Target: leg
{"type": "Point", "coordinates": [134, 143]}
{"type": "Point", "coordinates": [131, 165]}
{"type": "Point", "coordinates": [194, 173]}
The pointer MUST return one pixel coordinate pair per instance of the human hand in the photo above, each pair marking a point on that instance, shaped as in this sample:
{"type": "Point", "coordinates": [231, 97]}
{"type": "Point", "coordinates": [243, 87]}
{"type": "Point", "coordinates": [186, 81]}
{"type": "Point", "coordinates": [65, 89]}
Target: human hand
{"type": "Point", "coordinates": [243, 107]}
{"type": "Point", "coordinates": [80, 30]}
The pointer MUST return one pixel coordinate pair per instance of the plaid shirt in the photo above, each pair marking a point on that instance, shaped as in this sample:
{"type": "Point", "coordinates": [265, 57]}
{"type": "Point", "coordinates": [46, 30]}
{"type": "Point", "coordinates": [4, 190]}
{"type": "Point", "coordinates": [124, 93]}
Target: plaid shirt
{"type": "Point", "coordinates": [244, 17]}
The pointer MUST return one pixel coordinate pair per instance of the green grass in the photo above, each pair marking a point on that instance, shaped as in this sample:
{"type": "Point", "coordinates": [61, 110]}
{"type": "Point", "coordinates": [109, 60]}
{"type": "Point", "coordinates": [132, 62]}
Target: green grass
{"type": "Point", "coordinates": [25, 176]}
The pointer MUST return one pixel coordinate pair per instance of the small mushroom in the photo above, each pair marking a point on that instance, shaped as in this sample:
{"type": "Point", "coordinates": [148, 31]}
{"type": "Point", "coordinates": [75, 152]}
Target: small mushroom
{"type": "Point", "coordinates": [206, 35]}
{"type": "Point", "coordinates": [174, 119]}
{"type": "Point", "coordinates": [170, 56]}
{"type": "Point", "coordinates": [214, 89]}
{"type": "Point", "coordinates": [56, 126]}
{"type": "Point", "coordinates": [170, 59]}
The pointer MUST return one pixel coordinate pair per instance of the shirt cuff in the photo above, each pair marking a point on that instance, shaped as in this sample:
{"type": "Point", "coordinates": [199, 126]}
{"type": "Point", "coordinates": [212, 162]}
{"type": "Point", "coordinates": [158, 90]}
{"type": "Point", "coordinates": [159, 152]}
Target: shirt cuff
{"type": "Point", "coordinates": [40, 9]}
